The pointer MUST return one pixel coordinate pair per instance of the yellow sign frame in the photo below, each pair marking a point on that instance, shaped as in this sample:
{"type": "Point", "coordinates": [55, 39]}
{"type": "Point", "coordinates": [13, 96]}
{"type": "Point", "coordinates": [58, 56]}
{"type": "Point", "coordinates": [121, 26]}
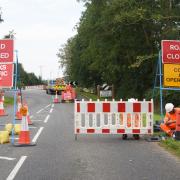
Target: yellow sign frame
{"type": "Point", "coordinates": [171, 75]}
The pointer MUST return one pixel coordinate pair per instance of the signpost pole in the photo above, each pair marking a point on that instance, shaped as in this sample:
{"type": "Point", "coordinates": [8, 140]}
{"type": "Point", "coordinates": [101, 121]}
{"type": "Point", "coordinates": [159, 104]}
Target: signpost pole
{"type": "Point", "coordinates": [15, 95]}
{"type": "Point", "coordinates": [160, 85]}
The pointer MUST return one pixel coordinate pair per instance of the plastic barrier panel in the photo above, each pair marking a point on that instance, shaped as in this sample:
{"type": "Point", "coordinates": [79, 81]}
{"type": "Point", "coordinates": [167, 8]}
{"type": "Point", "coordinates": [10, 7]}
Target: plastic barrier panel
{"type": "Point", "coordinates": [113, 117]}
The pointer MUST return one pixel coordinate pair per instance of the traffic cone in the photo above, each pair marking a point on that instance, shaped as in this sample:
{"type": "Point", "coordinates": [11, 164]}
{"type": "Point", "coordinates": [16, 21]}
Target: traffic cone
{"type": "Point", "coordinates": [56, 100]}
{"type": "Point", "coordinates": [2, 111]}
{"type": "Point", "coordinates": [28, 116]}
{"type": "Point", "coordinates": [2, 97]}
{"type": "Point", "coordinates": [24, 136]}
{"type": "Point", "coordinates": [19, 105]}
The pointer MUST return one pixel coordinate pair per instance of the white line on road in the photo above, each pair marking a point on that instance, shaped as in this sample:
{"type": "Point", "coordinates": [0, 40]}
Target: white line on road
{"type": "Point", "coordinates": [46, 119]}
{"type": "Point", "coordinates": [32, 127]}
{"type": "Point", "coordinates": [48, 105]}
{"type": "Point", "coordinates": [31, 117]}
{"type": "Point", "coordinates": [52, 105]}
{"type": "Point", "coordinates": [37, 134]}
{"type": "Point", "coordinates": [16, 168]}
{"type": "Point", "coordinates": [40, 110]}
{"type": "Point", "coordinates": [36, 120]}
{"type": "Point", "coordinates": [51, 110]}
{"type": "Point", "coordinates": [7, 158]}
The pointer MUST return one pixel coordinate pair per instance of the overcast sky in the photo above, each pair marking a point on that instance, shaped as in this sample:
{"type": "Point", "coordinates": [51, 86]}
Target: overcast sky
{"type": "Point", "coordinates": [41, 27]}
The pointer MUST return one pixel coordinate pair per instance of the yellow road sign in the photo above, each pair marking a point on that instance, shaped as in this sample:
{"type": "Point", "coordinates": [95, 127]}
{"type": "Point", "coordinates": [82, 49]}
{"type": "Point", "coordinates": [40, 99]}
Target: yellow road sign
{"type": "Point", "coordinates": [172, 75]}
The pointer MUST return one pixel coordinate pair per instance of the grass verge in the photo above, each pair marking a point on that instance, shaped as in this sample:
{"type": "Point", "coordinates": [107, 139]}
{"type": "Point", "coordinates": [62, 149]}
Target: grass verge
{"type": "Point", "coordinates": [8, 101]}
{"type": "Point", "coordinates": [172, 146]}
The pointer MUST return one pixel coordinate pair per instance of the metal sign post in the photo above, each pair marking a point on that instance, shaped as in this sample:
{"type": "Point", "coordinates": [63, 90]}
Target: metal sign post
{"type": "Point", "coordinates": [15, 95]}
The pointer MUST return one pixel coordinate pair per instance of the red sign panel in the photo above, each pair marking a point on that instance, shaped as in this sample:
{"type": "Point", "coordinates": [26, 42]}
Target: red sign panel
{"type": "Point", "coordinates": [6, 75]}
{"type": "Point", "coordinates": [170, 51]}
{"type": "Point", "coordinates": [6, 50]}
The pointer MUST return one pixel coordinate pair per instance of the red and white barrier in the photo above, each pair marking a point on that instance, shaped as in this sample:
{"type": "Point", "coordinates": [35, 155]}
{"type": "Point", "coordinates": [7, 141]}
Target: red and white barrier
{"type": "Point", "coordinates": [113, 117]}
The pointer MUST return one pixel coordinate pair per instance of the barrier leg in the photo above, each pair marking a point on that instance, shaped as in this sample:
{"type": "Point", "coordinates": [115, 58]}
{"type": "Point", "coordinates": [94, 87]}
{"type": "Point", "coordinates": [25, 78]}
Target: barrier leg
{"type": "Point", "coordinates": [76, 137]}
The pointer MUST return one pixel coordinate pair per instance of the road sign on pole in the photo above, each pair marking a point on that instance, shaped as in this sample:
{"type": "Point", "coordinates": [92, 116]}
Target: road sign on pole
{"type": "Point", "coordinates": [170, 51]}
{"type": "Point", "coordinates": [6, 51]}
{"type": "Point", "coordinates": [172, 75]}
{"type": "Point", "coordinates": [6, 75]}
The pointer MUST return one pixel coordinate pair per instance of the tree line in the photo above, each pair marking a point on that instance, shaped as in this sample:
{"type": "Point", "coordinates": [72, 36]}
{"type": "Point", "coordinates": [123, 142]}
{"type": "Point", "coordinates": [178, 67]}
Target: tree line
{"type": "Point", "coordinates": [118, 41]}
{"type": "Point", "coordinates": [26, 79]}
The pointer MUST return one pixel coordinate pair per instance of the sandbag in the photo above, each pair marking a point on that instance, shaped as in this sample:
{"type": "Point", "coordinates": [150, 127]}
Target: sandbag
{"type": "Point", "coordinates": [8, 127]}
{"type": "Point", "coordinates": [17, 129]}
{"type": "Point", "coordinates": [4, 137]}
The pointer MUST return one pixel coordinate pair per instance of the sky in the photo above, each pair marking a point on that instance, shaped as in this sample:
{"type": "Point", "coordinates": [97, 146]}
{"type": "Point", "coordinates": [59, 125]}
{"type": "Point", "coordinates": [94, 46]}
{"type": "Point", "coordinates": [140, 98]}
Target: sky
{"type": "Point", "coordinates": [41, 27]}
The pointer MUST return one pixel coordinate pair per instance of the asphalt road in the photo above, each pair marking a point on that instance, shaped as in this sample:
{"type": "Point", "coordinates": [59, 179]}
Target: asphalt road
{"type": "Point", "coordinates": [57, 156]}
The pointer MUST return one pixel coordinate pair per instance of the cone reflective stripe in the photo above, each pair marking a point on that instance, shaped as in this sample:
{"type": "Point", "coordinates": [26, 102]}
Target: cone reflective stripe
{"type": "Point", "coordinates": [28, 116]}
{"type": "Point", "coordinates": [18, 114]}
{"type": "Point", "coordinates": [2, 97]}
{"type": "Point", "coordinates": [56, 100]}
{"type": "Point", "coordinates": [2, 111]}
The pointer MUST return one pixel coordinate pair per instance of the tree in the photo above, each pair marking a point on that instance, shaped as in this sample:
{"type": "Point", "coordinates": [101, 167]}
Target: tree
{"type": "Point", "coordinates": [117, 42]}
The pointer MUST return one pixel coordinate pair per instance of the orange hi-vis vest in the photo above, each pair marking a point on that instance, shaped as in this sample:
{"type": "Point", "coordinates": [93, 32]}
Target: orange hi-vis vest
{"type": "Point", "coordinates": [169, 116]}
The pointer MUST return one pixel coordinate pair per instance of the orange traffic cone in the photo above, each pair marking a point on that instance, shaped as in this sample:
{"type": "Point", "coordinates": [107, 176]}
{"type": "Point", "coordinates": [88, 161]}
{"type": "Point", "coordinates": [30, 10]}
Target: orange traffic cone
{"type": "Point", "coordinates": [28, 116]}
{"type": "Point", "coordinates": [56, 100]}
{"type": "Point", "coordinates": [2, 96]}
{"type": "Point", "coordinates": [2, 111]}
{"type": "Point", "coordinates": [19, 105]}
{"type": "Point", "coordinates": [24, 136]}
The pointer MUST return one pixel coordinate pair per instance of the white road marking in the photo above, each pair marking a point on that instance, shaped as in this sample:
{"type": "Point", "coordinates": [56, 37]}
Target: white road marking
{"type": "Point", "coordinates": [37, 134]}
{"type": "Point", "coordinates": [47, 105]}
{"type": "Point", "coordinates": [31, 117]}
{"type": "Point", "coordinates": [7, 158]}
{"type": "Point", "coordinates": [51, 110]}
{"type": "Point", "coordinates": [36, 120]}
{"type": "Point", "coordinates": [40, 110]}
{"type": "Point", "coordinates": [16, 168]}
{"type": "Point", "coordinates": [46, 119]}
{"type": "Point", "coordinates": [32, 127]}
{"type": "Point", "coordinates": [52, 105]}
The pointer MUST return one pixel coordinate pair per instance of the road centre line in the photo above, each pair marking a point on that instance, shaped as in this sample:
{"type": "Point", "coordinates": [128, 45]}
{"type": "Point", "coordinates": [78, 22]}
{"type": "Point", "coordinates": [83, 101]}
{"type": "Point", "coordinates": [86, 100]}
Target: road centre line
{"type": "Point", "coordinates": [37, 134]}
{"type": "Point", "coordinates": [46, 119]}
{"type": "Point", "coordinates": [48, 105]}
{"type": "Point", "coordinates": [51, 110]}
{"type": "Point", "coordinates": [32, 127]}
{"type": "Point", "coordinates": [16, 168]}
{"type": "Point", "coordinates": [40, 110]}
{"type": "Point", "coordinates": [36, 120]}
{"type": "Point", "coordinates": [7, 158]}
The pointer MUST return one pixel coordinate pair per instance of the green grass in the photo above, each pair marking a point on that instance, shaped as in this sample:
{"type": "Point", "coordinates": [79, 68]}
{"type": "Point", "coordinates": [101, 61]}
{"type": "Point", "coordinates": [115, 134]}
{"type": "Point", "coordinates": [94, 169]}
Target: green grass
{"type": "Point", "coordinates": [172, 146]}
{"type": "Point", "coordinates": [8, 101]}
{"type": "Point", "coordinates": [88, 95]}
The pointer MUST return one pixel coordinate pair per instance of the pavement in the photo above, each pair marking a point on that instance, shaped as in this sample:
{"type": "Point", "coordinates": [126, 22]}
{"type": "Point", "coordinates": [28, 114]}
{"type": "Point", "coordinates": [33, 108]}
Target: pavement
{"type": "Point", "coordinates": [58, 156]}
